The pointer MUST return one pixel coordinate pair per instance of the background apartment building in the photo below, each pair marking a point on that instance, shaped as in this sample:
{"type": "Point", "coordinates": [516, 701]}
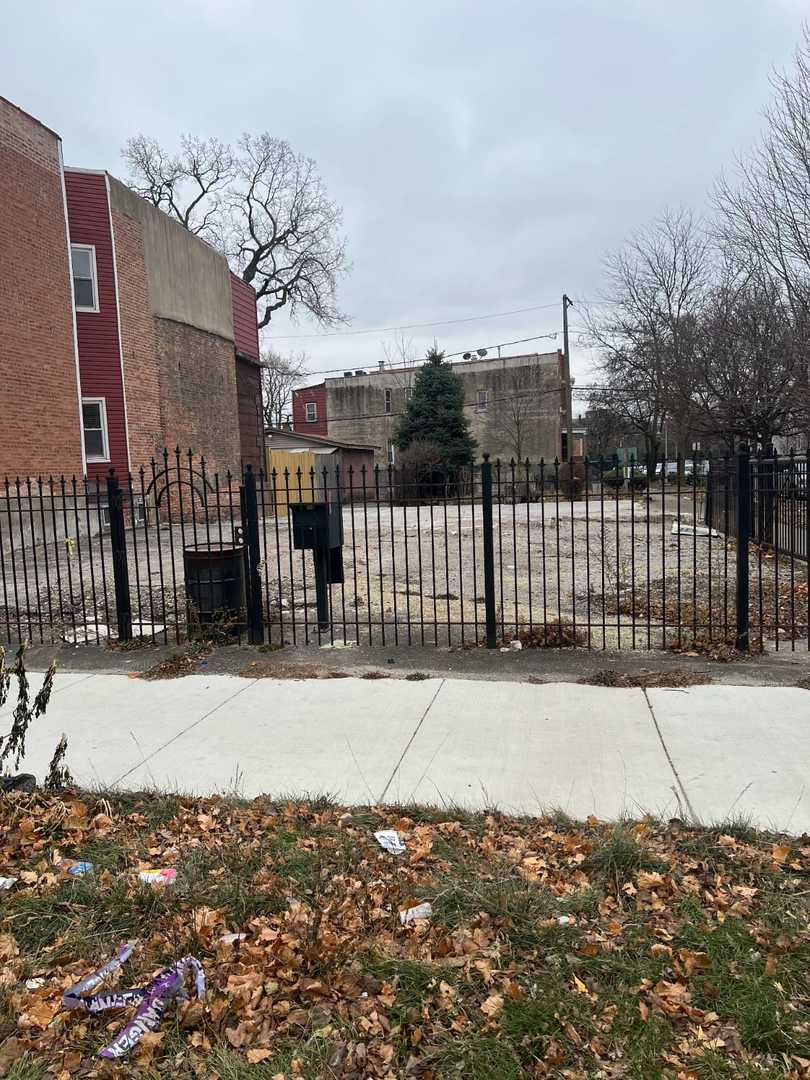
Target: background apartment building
{"type": "Point", "coordinates": [121, 332]}
{"type": "Point", "coordinates": [513, 403]}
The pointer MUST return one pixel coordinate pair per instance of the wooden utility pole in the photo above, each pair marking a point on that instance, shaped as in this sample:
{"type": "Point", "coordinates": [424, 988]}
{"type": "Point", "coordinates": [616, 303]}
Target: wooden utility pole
{"type": "Point", "coordinates": [569, 423]}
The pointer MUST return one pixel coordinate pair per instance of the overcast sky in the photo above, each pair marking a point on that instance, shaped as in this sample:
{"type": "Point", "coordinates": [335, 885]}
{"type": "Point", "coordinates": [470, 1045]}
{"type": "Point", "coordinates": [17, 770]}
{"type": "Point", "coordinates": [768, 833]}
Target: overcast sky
{"type": "Point", "coordinates": [487, 155]}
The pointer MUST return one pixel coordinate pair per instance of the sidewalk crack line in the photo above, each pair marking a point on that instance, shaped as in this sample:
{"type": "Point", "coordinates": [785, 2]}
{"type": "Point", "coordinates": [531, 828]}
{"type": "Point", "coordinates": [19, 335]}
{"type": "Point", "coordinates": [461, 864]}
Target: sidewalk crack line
{"type": "Point", "coordinates": [410, 741]}
{"type": "Point", "coordinates": [689, 807]}
{"type": "Point", "coordinates": [185, 730]}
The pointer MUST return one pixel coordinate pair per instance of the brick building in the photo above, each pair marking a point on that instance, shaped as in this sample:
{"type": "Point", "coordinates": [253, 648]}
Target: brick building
{"type": "Point", "coordinates": [514, 404]}
{"type": "Point", "coordinates": [121, 332]}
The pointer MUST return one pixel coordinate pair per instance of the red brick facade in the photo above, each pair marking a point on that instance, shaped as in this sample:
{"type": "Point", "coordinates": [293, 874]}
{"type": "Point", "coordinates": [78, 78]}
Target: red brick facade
{"type": "Point", "coordinates": [39, 402]}
{"type": "Point", "coordinates": [172, 348]}
{"type": "Point", "coordinates": [317, 394]}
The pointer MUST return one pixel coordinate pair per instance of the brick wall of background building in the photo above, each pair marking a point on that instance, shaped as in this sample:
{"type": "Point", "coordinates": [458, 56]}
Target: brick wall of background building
{"type": "Point", "coordinates": [141, 377]}
{"type": "Point", "coordinates": [299, 412]}
{"type": "Point", "coordinates": [198, 393]}
{"type": "Point", "coordinates": [251, 420]}
{"type": "Point", "coordinates": [39, 406]}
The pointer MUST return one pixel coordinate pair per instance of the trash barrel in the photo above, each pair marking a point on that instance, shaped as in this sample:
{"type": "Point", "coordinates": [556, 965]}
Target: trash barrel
{"type": "Point", "coordinates": [215, 585]}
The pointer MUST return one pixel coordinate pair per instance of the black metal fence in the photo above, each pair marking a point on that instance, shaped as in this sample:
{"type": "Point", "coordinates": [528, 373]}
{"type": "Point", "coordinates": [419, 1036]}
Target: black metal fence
{"type": "Point", "coordinates": [597, 555]}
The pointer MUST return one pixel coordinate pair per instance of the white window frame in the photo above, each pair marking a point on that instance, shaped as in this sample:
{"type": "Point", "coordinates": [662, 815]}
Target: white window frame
{"type": "Point", "coordinates": [105, 434]}
{"type": "Point", "coordinates": [94, 270]}
{"type": "Point", "coordinates": [391, 452]}
{"type": "Point", "coordinates": [313, 405]}
{"type": "Point", "coordinates": [388, 399]}
{"type": "Point", "coordinates": [482, 401]}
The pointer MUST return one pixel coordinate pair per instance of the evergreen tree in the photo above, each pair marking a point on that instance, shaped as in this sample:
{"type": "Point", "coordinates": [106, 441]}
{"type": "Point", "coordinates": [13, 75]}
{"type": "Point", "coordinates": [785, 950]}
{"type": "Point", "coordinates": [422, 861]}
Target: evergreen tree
{"type": "Point", "coordinates": [435, 413]}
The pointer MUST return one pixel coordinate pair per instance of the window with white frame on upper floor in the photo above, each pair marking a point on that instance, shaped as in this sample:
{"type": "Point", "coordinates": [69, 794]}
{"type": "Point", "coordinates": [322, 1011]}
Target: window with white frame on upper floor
{"type": "Point", "coordinates": [388, 401]}
{"type": "Point", "coordinates": [311, 411]}
{"type": "Point", "coordinates": [392, 453]}
{"type": "Point", "coordinates": [85, 277]}
{"type": "Point", "coordinates": [483, 399]}
{"type": "Point", "coordinates": [94, 427]}
{"type": "Point", "coordinates": [408, 393]}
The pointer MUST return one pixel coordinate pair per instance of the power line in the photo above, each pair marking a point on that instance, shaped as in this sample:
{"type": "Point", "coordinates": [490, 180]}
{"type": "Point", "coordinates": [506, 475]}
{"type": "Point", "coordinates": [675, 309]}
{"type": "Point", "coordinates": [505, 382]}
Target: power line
{"type": "Point", "coordinates": [413, 326]}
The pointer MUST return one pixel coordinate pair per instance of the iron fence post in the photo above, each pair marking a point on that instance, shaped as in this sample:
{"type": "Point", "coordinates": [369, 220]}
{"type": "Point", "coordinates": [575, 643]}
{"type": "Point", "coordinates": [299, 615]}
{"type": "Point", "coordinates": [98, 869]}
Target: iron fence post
{"type": "Point", "coordinates": [743, 536]}
{"type": "Point", "coordinates": [708, 505]}
{"type": "Point", "coordinates": [489, 553]}
{"type": "Point", "coordinates": [253, 584]}
{"type": "Point", "coordinates": [118, 545]}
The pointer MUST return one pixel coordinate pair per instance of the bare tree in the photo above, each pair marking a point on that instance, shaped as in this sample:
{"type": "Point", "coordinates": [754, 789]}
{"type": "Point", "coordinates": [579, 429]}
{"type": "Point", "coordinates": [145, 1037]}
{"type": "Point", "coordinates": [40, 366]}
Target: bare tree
{"type": "Point", "coordinates": [280, 376]}
{"type": "Point", "coordinates": [765, 208]}
{"type": "Point", "coordinates": [401, 352]}
{"type": "Point", "coordinates": [646, 335]}
{"type": "Point", "coordinates": [749, 380]}
{"type": "Point", "coordinates": [516, 411]}
{"type": "Point", "coordinates": [190, 185]}
{"type": "Point", "coordinates": [263, 205]}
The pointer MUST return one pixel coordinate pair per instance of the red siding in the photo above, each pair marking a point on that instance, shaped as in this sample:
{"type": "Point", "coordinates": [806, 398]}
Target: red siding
{"type": "Point", "coordinates": [245, 326]}
{"type": "Point", "coordinates": [299, 400]}
{"type": "Point", "coordinates": [99, 347]}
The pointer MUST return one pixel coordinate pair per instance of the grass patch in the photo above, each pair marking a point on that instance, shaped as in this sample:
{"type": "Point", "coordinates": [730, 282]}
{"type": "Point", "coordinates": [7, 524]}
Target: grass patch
{"type": "Point", "coordinates": [621, 856]}
{"type": "Point", "coordinates": [684, 951]}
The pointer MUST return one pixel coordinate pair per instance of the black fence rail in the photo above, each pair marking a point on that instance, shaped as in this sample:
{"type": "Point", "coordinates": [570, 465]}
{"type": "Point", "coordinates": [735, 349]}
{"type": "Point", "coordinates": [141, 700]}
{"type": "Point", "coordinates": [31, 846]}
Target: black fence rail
{"type": "Point", "coordinates": [597, 555]}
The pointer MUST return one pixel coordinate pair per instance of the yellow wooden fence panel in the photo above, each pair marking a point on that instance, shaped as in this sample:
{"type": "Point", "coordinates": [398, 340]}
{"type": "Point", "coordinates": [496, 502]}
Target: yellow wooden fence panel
{"type": "Point", "coordinates": [281, 460]}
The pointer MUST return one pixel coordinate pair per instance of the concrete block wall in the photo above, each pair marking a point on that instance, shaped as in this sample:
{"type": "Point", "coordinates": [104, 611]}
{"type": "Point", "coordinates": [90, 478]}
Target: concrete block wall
{"type": "Point", "coordinates": [138, 348]}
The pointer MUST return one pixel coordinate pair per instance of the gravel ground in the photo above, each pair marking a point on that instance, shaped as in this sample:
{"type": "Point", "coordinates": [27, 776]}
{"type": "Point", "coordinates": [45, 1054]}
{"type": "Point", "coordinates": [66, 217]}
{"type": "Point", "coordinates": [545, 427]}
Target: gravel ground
{"type": "Point", "coordinates": [416, 575]}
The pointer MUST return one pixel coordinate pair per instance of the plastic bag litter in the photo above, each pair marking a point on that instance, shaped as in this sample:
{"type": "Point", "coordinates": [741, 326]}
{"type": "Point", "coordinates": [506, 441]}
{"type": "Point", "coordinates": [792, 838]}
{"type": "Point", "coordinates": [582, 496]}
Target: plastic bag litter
{"type": "Point", "coordinates": [391, 841]}
{"type": "Point", "coordinates": [7, 882]}
{"type": "Point", "coordinates": [158, 877]}
{"type": "Point", "coordinates": [421, 911]}
{"type": "Point", "coordinates": [81, 869]}
{"type": "Point", "coordinates": [152, 1000]}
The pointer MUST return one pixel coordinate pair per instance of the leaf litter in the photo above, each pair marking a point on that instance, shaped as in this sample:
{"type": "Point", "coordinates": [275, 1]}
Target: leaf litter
{"type": "Point", "coordinates": [553, 948]}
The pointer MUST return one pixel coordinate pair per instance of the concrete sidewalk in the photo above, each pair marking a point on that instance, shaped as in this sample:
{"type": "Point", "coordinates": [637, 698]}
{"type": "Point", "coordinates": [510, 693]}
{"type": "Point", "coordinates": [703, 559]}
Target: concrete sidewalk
{"type": "Point", "coordinates": [709, 752]}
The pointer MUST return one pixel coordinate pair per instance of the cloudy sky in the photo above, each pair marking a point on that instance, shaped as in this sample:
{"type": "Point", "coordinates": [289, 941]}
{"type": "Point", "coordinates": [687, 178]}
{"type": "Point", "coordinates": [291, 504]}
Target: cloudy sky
{"type": "Point", "coordinates": [486, 155]}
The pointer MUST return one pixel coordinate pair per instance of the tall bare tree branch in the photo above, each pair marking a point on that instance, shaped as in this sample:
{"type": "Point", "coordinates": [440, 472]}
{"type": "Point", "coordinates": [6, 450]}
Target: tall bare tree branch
{"type": "Point", "coordinates": [263, 205]}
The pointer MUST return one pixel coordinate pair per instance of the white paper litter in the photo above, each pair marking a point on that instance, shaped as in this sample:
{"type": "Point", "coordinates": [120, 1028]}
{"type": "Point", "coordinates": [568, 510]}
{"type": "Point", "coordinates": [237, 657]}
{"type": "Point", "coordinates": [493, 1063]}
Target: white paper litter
{"type": "Point", "coordinates": [516, 645]}
{"type": "Point", "coordinates": [564, 920]}
{"type": "Point", "coordinates": [86, 634]}
{"type": "Point", "coordinates": [231, 939]}
{"type": "Point", "coordinates": [685, 528]}
{"type": "Point", "coordinates": [34, 984]}
{"type": "Point", "coordinates": [421, 911]}
{"type": "Point", "coordinates": [391, 841]}
{"type": "Point", "coordinates": [7, 882]}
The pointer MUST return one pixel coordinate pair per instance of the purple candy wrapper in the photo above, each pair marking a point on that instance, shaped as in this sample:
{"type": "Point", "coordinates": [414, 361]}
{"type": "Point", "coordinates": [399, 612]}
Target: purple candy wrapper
{"type": "Point", "coordinates": [153, 999]}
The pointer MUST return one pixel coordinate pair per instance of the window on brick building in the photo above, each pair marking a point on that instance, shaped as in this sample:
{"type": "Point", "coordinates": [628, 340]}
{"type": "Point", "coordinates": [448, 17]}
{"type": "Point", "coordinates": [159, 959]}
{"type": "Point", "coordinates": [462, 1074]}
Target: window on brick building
{"type": "Point", "coordinates": [311, 411]}
{"type": "Point", "coordinates": [392, 453]}
{"type": "Point", "coordinates": [94, 426]}
{"type": "Point", "coordinates": [388, 401]}
{"type": "Point", "coordinates": [483, 400]}
{"type": "Point", "coordinates": [85, 281]}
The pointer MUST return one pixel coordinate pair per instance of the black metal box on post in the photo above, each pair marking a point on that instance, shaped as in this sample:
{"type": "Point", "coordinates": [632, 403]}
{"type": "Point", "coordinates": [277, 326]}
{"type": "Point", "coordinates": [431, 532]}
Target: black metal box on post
{"type": "Point", "coordinates": [318, 527]}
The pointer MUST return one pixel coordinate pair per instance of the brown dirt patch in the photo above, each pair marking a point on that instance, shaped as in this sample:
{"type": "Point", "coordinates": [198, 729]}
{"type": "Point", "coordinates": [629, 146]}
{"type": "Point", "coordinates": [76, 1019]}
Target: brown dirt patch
{"type": "Point", "coordinates": [677, 677]}
{"type": "Point", "coordinates": [263, 669]}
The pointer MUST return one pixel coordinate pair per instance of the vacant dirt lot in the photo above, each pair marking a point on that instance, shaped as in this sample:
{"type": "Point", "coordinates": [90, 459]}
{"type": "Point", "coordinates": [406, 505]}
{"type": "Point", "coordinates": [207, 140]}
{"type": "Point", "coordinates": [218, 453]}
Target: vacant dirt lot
{"type": "Point", "coordinates": [613, 569]}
